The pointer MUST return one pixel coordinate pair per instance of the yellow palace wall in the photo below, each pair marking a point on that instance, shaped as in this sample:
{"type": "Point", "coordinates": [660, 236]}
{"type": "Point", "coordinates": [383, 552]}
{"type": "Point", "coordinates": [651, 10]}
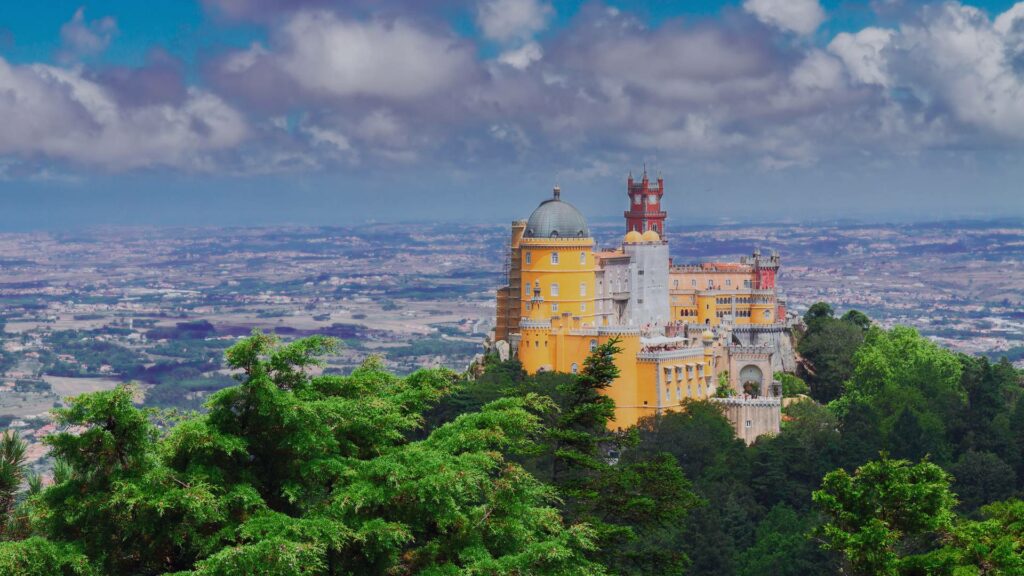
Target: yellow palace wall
{"type": "Point", "coordinates": [564, 345]}
{"type": "Point", "coordinates": [703, 307]}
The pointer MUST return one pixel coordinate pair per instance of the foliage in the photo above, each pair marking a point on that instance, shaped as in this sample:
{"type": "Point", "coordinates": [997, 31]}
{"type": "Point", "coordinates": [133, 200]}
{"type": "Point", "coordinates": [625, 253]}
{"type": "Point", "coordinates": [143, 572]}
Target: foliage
{"type": "Point", "coordinates": [886, 507]}
{"type": "Point", "coordinates": [783, 547]}
{"type": "Point", "coordinates": [12, 474]}
{"type": "Point", "coordinates": [37, 557]}
{"type": "Point", "coordinates": [895, 517]}
{"type": "Point", "coordinates": [635, 507]}
{"type": "Point", "coordinates": [827, 348]}
{"type": "Point", "coordinates": [792, 385]}
{"type": "Point", "coordinates": [724, 389]}
{"type": "Point", "coordinates": [914, 387]}
{"type": "Point", "coordinates": [292, 473]}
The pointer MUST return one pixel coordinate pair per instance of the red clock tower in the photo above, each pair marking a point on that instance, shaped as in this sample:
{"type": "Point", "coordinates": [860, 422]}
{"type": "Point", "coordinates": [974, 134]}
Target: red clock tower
{"type": "Point", "coordinates": [645, 211]}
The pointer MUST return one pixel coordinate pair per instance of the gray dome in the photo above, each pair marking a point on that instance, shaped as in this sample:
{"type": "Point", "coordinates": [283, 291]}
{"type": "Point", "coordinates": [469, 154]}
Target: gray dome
{"type": "Point", "coordinates": [556, 219]}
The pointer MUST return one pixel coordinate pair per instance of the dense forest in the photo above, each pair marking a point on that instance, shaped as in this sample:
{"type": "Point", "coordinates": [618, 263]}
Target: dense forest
{"type": "Point", "coordinates": [897, 457]}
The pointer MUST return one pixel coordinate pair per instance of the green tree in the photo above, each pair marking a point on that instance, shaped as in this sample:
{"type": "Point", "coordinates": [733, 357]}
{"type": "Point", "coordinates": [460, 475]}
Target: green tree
{"type": "Point", "coordinates": [788, 467]}
{"type": "Point", "coordinates": [291, 473]}
{"type": "Point", "coordinates": [913, 385]}
{"type": "Point", "coordinates": [827, 350]}
{"type": "Point", "coordinates": [12, 474]}
{"type": "Point", "coordinates": [792, 386]}
{"type": "Point", "coordinates": [783, 547]}
{"type": "Point", "coordinates": [885, 509]}
{"type": "Point", "coordinates": [636, 507]}
{"type": "Point", "coordinates": [705, 446]}
{"type": "Point", "coordinates": [857, 318]}
{"type": "Point", "coordinates": [817, 313]}
{"type": "Point", "coordinates": [582, 427]}
{"type": "Point", "coordinates": [981, 478]}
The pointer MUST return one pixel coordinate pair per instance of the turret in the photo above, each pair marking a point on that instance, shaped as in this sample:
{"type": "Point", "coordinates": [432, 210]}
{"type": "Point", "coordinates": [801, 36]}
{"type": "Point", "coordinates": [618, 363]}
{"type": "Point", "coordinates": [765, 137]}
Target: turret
{"type": "Point", "coordinates": [645, 211]}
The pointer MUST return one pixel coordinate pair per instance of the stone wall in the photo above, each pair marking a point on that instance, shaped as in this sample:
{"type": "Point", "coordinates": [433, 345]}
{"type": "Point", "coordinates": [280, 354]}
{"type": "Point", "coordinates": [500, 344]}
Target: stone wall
{"type": "Point", "coordinates": [752, 417]}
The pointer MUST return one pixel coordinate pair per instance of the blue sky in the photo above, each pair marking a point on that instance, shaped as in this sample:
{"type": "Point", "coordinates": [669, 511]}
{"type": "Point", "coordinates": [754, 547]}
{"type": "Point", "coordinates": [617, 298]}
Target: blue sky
{"type": "Point", "coordinates": [243, 112]}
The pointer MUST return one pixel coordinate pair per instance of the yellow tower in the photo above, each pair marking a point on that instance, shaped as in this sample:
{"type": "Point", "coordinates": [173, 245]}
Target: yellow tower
{"type": "Point", "coordinates": [557, 261]}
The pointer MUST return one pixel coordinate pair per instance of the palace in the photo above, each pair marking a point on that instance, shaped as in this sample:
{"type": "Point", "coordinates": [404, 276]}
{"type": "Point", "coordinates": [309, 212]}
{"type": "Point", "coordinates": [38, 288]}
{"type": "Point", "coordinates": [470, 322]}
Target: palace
{"type": "Point", "coordinates": [679, 326]}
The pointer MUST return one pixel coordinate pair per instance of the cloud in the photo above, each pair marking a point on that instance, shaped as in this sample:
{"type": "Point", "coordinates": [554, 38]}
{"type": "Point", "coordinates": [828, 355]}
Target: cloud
{"type": "Point", "coordinates": [59, 113]}
{"type": "Point", "coordinates": [82, 39]}
{"type": "Point", "coordinates": [861, 53]}
{"type": "Point", "coordinates": [800, 16]}
{"type": "Point", "coordinates": [521, 58]}
{"type": "Point", "coordinates": [510, 20]}
{"type": "Point", "coordinates": [952, 63]}
{"type": "Point", "coordinates": [316, 55]}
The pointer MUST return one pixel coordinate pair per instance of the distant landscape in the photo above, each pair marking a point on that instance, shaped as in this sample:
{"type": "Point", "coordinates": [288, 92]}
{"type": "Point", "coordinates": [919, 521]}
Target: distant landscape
{"type": "Point", "coordinates": [87, 310]}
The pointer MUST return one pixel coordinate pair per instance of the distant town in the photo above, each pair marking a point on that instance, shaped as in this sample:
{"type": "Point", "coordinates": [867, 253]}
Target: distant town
{"type": "Point", "coordinates": [85, 311]}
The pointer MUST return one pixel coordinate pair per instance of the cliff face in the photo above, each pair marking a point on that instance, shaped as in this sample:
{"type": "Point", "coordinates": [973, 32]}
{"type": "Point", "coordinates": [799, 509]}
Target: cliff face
{"type": "Point", "coordinates": [778, 337]}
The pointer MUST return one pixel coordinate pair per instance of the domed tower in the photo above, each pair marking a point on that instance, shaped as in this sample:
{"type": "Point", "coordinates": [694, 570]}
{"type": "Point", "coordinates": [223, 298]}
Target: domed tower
{"type": "Point", "coordinates": [645, 211]}
{"type": "Point", "coordinates": [557, 259]}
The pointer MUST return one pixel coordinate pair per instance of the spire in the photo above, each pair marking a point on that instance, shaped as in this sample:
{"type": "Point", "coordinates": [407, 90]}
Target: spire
{"type": "Point", "coordinates": [645, 169]}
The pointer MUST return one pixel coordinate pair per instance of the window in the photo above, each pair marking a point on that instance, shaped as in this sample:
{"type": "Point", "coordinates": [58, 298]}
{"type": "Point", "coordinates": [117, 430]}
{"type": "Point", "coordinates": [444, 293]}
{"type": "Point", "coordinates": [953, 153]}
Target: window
{"type": "Point", "coordinates": [746, 283]}
{"type": "Point", "coordinates": [583, 306]}
{"type": "Point", "coordinates": [554, 257]}
{"type": "Point", "coordinates": [554, 289]}
{"type": "Point", "coordinates": [675, 283]}
{"type": "Point", "coordinates": [593, 345]}
{"type": "Point", "coordinates": [583, 257]}
{"type": "Point", "coordinates": [528, 290]}
{"type": "Point", "coordinates": [528, 306]}
{"type": "Point", "coordinates": [554, 307]}
{"type": "Point", "coordinates": [692, 282]}
{"type": "Point", "coordinates": [767, 313]}
{"type": "Point", "coordinates": [640, 273]}
{"type": "Point", "coordinates": [711, 283]}
{"type": "Point", "coordinates": [529, 257]}
{"type": "Point", "coordinates": [583, 288]}
{"type": "Point", "coordinates": [575, 368]}
{"type": "Point", "coordinates": [748, 424]}
{"type": "Point", "coordinates": [728, 281]}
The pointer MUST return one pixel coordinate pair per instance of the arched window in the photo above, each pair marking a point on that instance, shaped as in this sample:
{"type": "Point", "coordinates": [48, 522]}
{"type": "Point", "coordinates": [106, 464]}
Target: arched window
{"type": "Point", "coordinates": [593, 345]}
{"type": "Point", "coordinates": [575, 368]}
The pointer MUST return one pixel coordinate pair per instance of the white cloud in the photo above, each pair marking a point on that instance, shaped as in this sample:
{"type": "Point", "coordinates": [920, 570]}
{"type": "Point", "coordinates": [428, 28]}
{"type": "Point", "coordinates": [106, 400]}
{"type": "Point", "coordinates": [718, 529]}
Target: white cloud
{"type": "Point", "coordinates": [81, 38]}
{"type": "Point", "coordinates": [60, 113]}
{"type": "Point", "coordinates": [522, 57]}
{"type": "Point", "coordinates": [329, 56]}
{"type": "Point", "coordinates": [509, 20]}
{"type": "Point", "coordinates": [800, 16]}
{"type": "Point", "coordinates": [861, 53]}
{"type": "Point", "coordinates": [319, 135]}
{"type": "Point", "coordinates": [958, 62]}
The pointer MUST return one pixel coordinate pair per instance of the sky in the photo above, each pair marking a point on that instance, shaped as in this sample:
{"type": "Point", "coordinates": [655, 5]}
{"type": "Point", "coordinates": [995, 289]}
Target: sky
{"type": "Point", "coordinates": [319, 112]}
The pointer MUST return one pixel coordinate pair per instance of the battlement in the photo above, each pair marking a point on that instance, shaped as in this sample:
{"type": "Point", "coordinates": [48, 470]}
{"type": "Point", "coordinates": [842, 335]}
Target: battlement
{"type": "Point", "coordinates": [751, 401]}
{"type": "Point", "coordinates": [673, 354]}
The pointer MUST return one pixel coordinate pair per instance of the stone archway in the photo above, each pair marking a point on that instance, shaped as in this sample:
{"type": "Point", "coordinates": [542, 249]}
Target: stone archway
{"type": "Point", "coordinates": [751, 380]}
